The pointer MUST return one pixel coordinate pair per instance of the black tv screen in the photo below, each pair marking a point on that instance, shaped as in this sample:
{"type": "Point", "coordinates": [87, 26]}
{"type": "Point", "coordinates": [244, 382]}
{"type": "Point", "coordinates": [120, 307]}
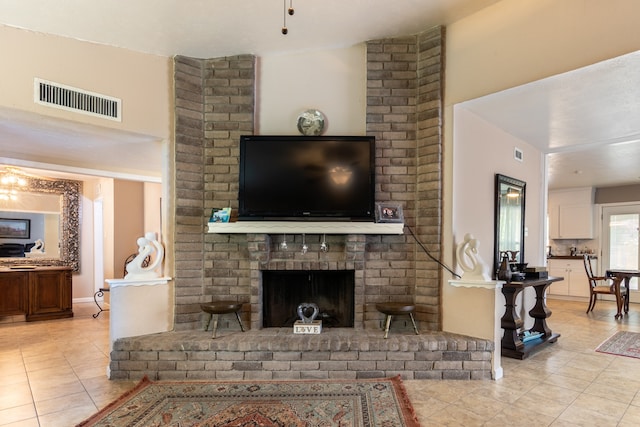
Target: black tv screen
{"type": "Point", "coordinates": [307, 178]}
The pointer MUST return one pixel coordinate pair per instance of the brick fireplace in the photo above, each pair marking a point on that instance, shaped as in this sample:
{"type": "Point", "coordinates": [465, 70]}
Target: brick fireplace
{"type": "Point", "coordinates": [288, 295]}
{"type": "Point", "coordinates": [215, 101]}
{"type": "Point", "coordinates": [345, 254]}
{"type": "Point", "coordinates": [214, 106]}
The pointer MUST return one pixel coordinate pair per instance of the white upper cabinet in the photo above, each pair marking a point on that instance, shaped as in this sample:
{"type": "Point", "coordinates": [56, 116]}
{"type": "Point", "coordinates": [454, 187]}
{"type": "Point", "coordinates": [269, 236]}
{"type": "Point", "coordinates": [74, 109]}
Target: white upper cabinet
{"type": "Point", "coordinates": [571, 213]}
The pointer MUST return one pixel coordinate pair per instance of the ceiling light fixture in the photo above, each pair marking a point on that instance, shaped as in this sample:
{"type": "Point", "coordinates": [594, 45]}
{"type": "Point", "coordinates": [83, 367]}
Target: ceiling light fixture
{"type": "Point", "coordinates": [512, 192]}
{"type": "Point", "coordinates": [340, 175]}
{"type": "Point", "coordinates": [287, 11]}
{"type": "Point", "coordinates": [11, 183]}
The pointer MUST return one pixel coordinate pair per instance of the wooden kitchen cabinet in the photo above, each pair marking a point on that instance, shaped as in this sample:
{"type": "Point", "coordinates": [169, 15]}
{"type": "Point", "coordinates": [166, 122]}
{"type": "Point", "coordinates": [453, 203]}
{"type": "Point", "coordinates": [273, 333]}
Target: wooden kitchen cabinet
{"type": "Point", "coordinates": [571, 214]}
{"type": "Point", "coordinates": [575, 283]}
{"type": "Point", "coordinates": [40, 293]}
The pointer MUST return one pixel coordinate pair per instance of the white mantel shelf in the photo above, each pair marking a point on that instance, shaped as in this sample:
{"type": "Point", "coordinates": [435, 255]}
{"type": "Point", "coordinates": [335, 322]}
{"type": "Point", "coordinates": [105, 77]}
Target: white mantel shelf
{"type": "Point", "coordinates": [305, 227]}
{"type": "Point", "coordinates": [114, 283]}
{"type": "Point", "coordinates": [486, 284]}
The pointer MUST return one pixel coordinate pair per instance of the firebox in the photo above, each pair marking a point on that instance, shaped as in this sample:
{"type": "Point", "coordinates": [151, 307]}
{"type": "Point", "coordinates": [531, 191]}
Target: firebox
{"type": "Point", "coordinates": [332, 291]}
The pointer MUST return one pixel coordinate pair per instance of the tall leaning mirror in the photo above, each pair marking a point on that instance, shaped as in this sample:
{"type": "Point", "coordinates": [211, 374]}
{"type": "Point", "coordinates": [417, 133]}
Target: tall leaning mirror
{"type": "Point", "coordinates": [39, 211]}
{"type": "Point", "coordinates": [509, 219]}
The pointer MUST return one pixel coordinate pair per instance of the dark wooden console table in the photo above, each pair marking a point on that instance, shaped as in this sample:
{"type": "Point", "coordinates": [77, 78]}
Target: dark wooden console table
{"type": "Point", "coordinates": [512, 340]}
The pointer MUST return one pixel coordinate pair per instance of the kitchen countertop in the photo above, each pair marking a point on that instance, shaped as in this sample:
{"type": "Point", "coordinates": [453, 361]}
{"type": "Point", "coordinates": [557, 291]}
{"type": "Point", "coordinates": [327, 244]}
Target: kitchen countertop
{"type": "Point", "coordinates": [592, 256]}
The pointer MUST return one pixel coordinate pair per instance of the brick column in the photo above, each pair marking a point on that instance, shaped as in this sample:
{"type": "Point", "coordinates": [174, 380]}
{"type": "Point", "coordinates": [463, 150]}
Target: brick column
{"type": "Point", "coordinates": [428, 197]}
{"type": "Point", "coordinates": [403, 113]}
{"type": "Point", "coordinates": [214, 106]}
{"type": "Point", "coordinates": [188, 188]}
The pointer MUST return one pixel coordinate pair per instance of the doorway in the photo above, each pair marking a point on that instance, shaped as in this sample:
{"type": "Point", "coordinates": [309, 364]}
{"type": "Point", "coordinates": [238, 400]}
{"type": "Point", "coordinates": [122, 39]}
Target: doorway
{"type": "Point", "coordinates": [621, 241]}
{"type": "Point", "coordinates": [98, 245]}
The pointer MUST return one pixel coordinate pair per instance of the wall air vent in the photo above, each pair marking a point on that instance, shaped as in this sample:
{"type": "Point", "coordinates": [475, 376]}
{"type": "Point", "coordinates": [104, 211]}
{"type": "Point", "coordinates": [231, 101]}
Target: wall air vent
{"type": "Point", "coordinates": [69, 98]}
{"type": "Point", "coordinates": [518, 154]}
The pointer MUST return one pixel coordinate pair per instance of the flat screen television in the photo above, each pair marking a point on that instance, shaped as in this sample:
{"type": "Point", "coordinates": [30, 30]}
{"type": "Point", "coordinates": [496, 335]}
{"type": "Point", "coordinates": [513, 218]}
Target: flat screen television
{"type": "Point", "coordinates": [330, 178]}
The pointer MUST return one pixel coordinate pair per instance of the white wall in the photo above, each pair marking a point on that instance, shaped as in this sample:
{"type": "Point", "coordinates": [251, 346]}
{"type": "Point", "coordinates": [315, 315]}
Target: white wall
{"type": "Point", "coordinates": [480, 151]}
{"type": "Point", "coordinates": [83, 280]}
{"type": "Point", "coordinates": [105, 192]}
{"type": "Point", "coordinates": [333, 82]}
{"type": "Point", "coordinates": [52, 234]}
{"type": "Point", "coordinates": [515, 42]}
{"type": "Point", "coordinates": [152, 207]}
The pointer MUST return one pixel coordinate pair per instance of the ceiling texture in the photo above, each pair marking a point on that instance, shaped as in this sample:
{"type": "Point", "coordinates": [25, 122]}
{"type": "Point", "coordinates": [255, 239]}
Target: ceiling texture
{"type": "Point", "coordinates": [591, 135]}
{"type": "Point", "coordinates": [586, 119]}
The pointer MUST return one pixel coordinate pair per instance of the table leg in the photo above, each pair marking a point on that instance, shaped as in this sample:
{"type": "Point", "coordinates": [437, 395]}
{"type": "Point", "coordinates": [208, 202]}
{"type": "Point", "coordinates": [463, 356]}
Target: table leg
{"type": "Point", "coordinates": [510, 321]}
{"type": "Point", "coordinates": [540, 312]}
{"type": "Point", "coordinates": [618, 276]}
{"type": "Point", "coordinates": [627, 281]}
{"type": "Point", "coordinates": [619, 302]}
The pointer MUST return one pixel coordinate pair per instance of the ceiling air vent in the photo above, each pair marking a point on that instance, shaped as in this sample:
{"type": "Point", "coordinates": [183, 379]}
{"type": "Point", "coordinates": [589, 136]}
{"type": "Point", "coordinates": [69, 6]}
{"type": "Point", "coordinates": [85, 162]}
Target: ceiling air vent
{"type": "Point", "coordinates": [81, 101]}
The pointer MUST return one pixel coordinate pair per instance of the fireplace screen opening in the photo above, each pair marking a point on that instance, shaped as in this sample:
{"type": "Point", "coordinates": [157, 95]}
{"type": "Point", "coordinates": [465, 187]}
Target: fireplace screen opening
{"type": "Point", "coordinates": [331, 291]}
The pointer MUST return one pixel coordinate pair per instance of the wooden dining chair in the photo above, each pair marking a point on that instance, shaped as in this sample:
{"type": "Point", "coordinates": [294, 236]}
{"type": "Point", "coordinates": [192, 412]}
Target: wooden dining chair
{"type": "Point", "coordinates": [602, 285]}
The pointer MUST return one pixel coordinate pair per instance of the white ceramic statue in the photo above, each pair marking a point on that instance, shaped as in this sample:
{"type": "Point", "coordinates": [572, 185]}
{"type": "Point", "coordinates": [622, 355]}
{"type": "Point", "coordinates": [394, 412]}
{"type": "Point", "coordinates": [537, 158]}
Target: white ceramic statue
{"type": "Point", "coordinates": [470, 261]}
{"type": "Point", "coordinates": [36, 251]}
{"type": "Point", "coordinates": [148, 246]}
{"type": "Point", "coordinates": [38, 247]}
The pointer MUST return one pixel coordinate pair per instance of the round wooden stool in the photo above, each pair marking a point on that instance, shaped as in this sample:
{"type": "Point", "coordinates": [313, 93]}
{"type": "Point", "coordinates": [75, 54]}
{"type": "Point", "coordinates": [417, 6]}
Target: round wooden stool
{"type": "Point", "coordinates": [390, 309]}
{"type": "Point", "coordinates": [216, 308]}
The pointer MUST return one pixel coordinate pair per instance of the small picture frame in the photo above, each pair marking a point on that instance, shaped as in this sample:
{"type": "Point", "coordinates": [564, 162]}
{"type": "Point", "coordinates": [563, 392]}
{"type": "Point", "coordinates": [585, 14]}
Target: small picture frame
{"type": "Point", "coordinates": [220, 215]}
{"type": "Point", "coordinates": [15, 228]}
{"type": "Point", "coordinates": [389, 212]}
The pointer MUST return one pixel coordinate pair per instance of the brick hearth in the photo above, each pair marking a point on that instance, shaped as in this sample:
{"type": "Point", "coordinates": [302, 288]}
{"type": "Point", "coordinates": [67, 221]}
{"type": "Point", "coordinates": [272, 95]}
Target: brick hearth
{"type": "Point", "coordinates": [276, 353]}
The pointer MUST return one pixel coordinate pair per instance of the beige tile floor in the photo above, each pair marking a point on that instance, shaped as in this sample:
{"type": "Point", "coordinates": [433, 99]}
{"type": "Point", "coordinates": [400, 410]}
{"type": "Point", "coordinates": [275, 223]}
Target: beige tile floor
{"type": "Point", "coordinates": [53, 374]}
{"type": "Point", "coordinates": [566, 384]}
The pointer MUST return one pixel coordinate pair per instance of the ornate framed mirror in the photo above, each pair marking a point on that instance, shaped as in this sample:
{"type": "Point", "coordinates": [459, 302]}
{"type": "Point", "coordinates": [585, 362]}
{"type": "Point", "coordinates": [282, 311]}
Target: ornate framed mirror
{"type": "Point", "coordinates": [510, 197]}
{"type": "Point", "coordinates": [64, 196]}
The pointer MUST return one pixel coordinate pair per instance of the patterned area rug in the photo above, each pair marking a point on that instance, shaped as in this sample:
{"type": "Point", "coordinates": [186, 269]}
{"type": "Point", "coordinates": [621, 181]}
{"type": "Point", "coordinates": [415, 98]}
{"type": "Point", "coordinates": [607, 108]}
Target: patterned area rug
{"type": "Point", "coordinates": [622, 343]}
{"type": "Point", "coordinates": [369, 402]}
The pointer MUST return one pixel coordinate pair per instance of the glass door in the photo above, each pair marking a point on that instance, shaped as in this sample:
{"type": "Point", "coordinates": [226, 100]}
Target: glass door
{"type": "Point", "coordinates": [621, 242]}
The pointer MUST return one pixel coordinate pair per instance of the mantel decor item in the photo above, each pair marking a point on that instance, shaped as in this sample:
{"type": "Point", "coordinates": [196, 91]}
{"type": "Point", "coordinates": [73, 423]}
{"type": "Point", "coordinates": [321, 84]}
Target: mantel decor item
{"type": "Point", "coordinates": [504, 271]}
{"type": "Point", "coordinates": [470, 261]}
{"type": "Point", "coordinates": [149, 258]}
{"type": "Point", "coordinates": [311, 123]}
{"type": "Point", "coordinates": [307, 312]}
{"type": "Point", "coordinates": [220, 215]}
{"type": "Point", "coordinates": [389, 212]}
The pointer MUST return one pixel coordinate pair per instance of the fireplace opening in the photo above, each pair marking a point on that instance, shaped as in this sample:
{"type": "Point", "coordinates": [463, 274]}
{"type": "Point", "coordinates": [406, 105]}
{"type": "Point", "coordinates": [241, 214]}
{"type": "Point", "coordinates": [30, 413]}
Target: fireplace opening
{"type": "Point", "coordinates": [332, 291]}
